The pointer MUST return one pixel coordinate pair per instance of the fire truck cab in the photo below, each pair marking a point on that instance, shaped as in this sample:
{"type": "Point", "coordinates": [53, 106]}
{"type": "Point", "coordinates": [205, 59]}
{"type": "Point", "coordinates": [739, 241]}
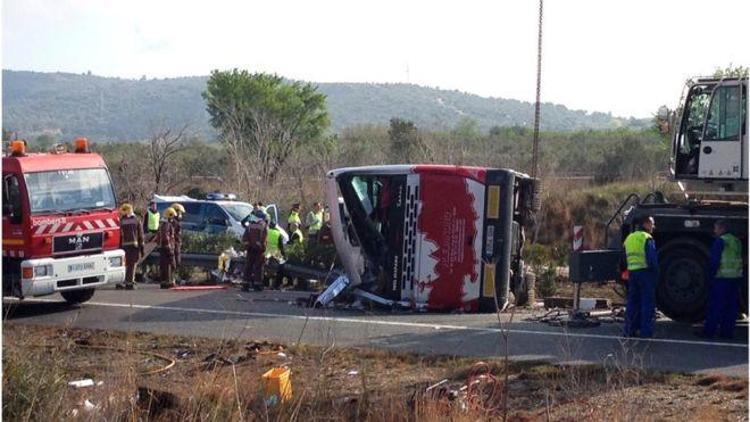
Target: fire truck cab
{"type": "Point", "coordinates": [61, 230]}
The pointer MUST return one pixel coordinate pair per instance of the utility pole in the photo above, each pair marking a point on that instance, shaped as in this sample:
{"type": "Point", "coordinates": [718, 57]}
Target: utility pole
{"type": "Point", "coordinates": [538, 104]}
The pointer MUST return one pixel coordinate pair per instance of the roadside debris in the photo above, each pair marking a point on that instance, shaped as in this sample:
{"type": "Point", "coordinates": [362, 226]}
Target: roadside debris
{"type": "Point", "coordinates": [277, 385]}
{"type": "Point", "coordinates": [481, 390]}
{"type": "Point", "coordinates": [82, 383]}
{"type": "Point", "coordinates": [88, 405]}
{"type": "Point", "coordinates": [341, 283]}
{"type": "Point", "coordinates": [581, 319]}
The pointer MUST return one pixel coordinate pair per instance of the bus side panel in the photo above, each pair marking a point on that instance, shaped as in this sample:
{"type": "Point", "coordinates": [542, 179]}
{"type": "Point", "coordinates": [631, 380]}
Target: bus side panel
{"type": "Point", "coordinates": [449, 230]}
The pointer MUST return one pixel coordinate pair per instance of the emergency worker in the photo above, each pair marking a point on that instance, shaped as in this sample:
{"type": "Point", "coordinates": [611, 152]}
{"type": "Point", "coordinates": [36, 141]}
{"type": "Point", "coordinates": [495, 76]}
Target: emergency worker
{"type": "Point", "coordinates": [642, 265]}
{"type": "Point", "coordinates": [725, 279]}
{"type": "Point", "coordinates": [294, 217]}
{"type": "Point", "coordinates": [275, 252]}
{"type": "Point", "coordinates": [151, 222]}
{"type": "Point", "coordinates": [165, 239]}
{"type": "Point", "coordinates": [314, 221]}
{"type": "Point", "coordinates": [131, 241]}
{"type": "Point", "coordinates": [295, 234]}
{"type": "Point", "coordinates": [177, 222]}
{"type": "Point", "coordinates": [255, 239]}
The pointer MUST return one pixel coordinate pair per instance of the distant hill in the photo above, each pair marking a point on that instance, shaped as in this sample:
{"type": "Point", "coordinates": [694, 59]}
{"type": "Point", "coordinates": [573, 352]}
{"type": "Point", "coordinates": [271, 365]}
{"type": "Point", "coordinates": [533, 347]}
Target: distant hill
{"type": "Point", "coordinates": [101, 108]}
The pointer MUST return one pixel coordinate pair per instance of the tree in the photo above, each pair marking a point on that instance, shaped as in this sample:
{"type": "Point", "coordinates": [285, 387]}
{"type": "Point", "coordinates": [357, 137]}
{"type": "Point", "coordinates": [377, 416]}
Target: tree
{"type": "Point", "coordinates": [262, 119]}
{"type": "Point", "coordinates": [44, 142]}
{"type": "Point", "coordinates": [163, 145]}
{"type": "Point", "coordinates": [406, 143]}
{"type": "Point", "coordinates": [732, 71]}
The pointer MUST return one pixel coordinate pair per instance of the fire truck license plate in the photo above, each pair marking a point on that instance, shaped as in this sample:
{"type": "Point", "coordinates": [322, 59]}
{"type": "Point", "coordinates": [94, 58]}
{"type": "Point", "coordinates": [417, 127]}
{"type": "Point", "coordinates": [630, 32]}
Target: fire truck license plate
{"type": "Point", "coordinates": [84, 266]}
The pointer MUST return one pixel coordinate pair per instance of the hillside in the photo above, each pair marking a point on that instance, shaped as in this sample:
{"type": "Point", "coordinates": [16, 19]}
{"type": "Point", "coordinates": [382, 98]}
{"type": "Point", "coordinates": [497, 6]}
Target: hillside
{"type": "Point", "coordinates": [120, 109]}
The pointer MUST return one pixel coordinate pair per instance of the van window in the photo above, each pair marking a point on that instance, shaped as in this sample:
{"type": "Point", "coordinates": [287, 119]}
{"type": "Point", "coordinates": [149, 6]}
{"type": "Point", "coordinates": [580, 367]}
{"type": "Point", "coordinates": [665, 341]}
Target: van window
{"type": "Point", "coordinates": [193, 212]}
{"type": "Point", "coordinates": [215, 216]}
{"type": "Point", "coordinates": [238, 210]}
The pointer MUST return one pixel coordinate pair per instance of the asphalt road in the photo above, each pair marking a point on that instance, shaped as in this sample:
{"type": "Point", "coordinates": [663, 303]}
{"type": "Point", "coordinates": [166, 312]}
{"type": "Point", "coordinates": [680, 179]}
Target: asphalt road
{"type": "Point", "coordinates": [273, 316]}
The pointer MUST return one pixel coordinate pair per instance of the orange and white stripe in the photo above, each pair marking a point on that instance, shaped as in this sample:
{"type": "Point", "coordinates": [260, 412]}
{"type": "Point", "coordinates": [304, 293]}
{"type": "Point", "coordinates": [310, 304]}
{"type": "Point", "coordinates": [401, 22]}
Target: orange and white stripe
{"type": "Point", "coordinates": [62, 227]}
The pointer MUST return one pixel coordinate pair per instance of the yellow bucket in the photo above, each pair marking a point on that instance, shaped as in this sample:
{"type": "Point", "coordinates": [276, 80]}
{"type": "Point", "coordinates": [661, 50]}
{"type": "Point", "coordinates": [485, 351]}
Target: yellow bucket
{"type": "Point", "coordinates": [277, 382]}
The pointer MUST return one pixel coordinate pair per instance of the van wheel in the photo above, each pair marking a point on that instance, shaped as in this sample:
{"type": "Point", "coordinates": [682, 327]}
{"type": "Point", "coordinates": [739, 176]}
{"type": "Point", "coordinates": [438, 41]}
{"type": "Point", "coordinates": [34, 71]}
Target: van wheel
{"type": "Point", "coordinates": [77, 296]}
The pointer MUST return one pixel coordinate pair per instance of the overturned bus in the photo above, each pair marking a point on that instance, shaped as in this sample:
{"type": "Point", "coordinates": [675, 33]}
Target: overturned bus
{"type": "Point", "coordinates": [435, 237]}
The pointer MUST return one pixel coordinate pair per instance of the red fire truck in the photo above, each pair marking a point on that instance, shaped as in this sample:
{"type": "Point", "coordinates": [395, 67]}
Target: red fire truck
{"type": "Point", "coordinates": [61, 229]}
{"type": "Point", "coordinates": [434, 236]}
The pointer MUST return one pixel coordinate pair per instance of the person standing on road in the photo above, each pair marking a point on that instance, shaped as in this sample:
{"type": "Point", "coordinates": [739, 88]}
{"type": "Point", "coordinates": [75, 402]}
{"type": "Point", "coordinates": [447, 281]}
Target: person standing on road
{"type": "Point", "coordinates": [255, 238]}
{"type": "Point", "coordinates": [131, 241]}
{"type": "Point", "coordinates": [177, 222]}
{"type": "Point", "coordinates": [642, 265]}
{"type": "Point", "coordinates": [165, 237]}
{"type": "Point", "coordinates": [314, 221]}
{"type": "Point", "coordinates": [725, 279]}
{"type": "Point", "coordinates": [275, 253]}
{"type": "Point", "coordinates": [151, 222]}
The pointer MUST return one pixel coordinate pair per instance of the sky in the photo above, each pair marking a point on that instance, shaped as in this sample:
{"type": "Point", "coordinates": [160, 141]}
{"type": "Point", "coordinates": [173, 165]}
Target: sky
{"type": "Point", "coordinates": [626, 57]}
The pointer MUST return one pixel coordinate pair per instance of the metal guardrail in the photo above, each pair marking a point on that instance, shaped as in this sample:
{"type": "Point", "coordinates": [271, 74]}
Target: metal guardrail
{"type": "Point", "coordinates": [290, 269]}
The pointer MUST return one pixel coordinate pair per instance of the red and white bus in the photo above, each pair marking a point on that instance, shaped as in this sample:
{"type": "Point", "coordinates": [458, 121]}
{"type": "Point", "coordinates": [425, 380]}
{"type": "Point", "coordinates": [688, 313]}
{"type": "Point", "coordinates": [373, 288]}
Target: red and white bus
{"type": "Point", "coordinates": [438, 236]}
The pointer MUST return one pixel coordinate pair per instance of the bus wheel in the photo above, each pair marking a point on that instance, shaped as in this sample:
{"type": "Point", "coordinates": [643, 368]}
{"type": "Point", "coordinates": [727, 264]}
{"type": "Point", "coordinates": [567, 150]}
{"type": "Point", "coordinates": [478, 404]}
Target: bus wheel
{"type": "Point", "coordinates": [77, 296]}
{"type": "Point", "coordinates": [682, 292]}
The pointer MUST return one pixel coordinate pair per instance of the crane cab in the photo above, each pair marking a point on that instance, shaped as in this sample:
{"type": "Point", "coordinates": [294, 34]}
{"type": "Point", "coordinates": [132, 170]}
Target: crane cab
{"type": "Point", "coordinates": [710, 139]}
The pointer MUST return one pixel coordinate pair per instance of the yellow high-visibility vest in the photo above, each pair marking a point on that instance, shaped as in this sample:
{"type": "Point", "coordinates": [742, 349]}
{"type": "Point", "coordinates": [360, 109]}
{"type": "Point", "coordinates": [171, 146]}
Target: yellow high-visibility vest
{"type": "Point", "coordinates": [635, 250]}
{"type": "Point", "coordinates": [153, 221]}
{"type": "Point", "coordinates": [317, 223]}
{"type": "Point", "coordinates": [294, 218]}
{"type": "Point", "coordinates": [272, 248]}
{"type": "Point", "coordinates": [730, 265]}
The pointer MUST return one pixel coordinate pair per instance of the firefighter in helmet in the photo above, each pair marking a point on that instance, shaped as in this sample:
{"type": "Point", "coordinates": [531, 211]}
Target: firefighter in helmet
{"type": "Point", "coordinates": [165, 239]}
{"type": "Point", "coordinates": [131, 241]}
{"type": "Point", "coordinates": [177, 222]}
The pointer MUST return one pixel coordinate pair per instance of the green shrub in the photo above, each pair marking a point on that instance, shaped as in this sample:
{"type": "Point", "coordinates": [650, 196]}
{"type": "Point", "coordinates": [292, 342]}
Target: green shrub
{"type": "Point", "coordinates": [209, 244]}
{"type": "Point", "coordinates": [547, 282]}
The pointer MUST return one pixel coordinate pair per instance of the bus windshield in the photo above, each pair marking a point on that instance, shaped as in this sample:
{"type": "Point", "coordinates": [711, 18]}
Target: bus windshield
{"type": "Point", "coordinates": [69, 190]}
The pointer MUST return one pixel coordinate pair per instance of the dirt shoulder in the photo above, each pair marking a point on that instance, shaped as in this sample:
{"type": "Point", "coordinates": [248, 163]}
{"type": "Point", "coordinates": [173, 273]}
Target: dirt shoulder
{"type": "Point", "coordinates": [139, 375]}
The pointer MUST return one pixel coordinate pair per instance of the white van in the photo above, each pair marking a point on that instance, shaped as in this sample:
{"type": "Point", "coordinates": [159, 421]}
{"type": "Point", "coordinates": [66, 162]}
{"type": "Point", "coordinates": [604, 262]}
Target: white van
{"type": "Point", "coordinates": [213, 216]}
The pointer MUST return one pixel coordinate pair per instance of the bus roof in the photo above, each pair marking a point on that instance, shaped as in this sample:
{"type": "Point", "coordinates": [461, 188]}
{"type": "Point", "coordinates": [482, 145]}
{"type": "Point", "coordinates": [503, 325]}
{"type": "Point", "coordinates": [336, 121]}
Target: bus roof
{"type": "Point", "coordinates": [477, 173]}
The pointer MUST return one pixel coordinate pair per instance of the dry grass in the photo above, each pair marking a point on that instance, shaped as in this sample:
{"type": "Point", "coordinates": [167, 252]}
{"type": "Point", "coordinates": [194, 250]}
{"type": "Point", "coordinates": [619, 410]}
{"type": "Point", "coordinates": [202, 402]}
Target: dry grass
{"type": "Point", "coordinates": [220, 380]}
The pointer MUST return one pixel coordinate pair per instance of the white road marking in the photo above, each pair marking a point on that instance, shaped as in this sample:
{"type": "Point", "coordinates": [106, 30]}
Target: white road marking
{"type": "Point", "coordinates": [409, 324]}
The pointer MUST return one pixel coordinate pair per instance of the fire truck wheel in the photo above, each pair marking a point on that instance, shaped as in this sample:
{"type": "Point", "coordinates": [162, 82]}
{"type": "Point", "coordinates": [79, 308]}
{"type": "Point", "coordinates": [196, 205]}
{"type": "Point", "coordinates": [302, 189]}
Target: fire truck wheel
{"type": "Point", "coordinates": [78, 296]}
{"type": "Point", "coordinates": [682, 291]}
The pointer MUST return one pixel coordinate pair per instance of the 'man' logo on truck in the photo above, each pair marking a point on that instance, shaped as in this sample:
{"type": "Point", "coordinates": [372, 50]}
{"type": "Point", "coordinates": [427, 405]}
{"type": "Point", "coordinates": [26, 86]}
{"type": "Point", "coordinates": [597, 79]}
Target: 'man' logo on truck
{"type": "Point", "coordinates": [78, 241]}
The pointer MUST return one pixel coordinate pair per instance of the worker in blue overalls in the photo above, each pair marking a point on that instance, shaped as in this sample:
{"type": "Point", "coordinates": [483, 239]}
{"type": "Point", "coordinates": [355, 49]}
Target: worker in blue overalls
{"type": "Point", "coordinates": [725, 279]}
{"type": "Point", "coordinates": [640, 254]}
